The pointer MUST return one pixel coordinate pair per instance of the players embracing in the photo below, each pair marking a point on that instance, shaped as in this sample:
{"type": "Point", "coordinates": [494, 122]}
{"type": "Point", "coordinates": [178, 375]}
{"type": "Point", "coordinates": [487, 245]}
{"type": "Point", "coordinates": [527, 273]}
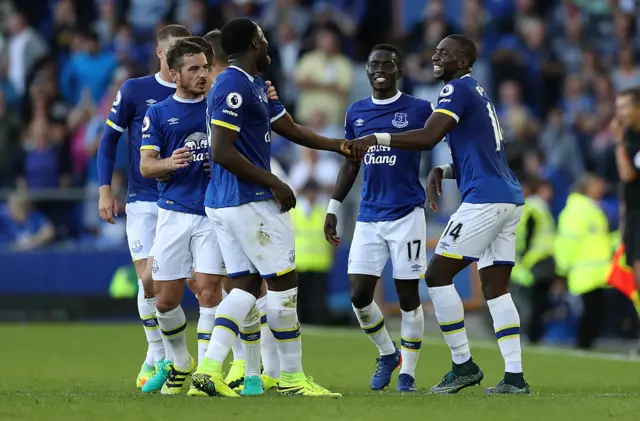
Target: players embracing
{"type": "Point", "coordinates": [483, 227]}
{"type": "Point", "coordinates": [391, 222]}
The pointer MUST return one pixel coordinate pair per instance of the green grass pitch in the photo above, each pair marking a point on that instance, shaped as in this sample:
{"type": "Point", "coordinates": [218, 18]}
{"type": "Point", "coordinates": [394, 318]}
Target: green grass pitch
{"type": "Point", "coordinates": [82, 372]}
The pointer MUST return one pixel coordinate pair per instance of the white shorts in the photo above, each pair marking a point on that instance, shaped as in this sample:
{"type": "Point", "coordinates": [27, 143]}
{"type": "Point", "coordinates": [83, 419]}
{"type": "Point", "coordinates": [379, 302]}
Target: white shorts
{"type": "Point", "coordinates": [482, 232]}
{"type": "Point", "coordinates": [255, 238]}
{"type": "Point", "coordinates": [184, 241]}
{"type": "Point", "coordinates": [404, 240]}
{"type": "Point", "coordinates": [141, 228]}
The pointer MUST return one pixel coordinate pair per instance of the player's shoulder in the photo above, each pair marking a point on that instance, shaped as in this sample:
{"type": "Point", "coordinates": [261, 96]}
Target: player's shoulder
{"type": "Point", "coordinates": [360, 106]}
{"type": "Point", "coordinates": [418, 103]}
{"type": "Point", "coordinates": [133, 84]}
{"type": "Point", "coordinates": [463, 85]}
{"type": "Point", "coordinates": [230, 78]}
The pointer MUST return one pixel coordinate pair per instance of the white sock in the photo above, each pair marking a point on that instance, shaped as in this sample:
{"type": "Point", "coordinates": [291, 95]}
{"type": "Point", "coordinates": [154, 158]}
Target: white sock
{"type": "Point", "coordinates": [450, 315]}
{"type": "Point", "coordinates": [506, 323]}
{"type": "Point", "coordinates": [161, 349]}
{"type": "Point", "coordinates": [205, 327]}
{"type": "Point", "coordinates": [269, 345]}
{"type": "Point", "coordinates": [250, 334]}
{"type": "Point", "coordinates": [411, 331]}
{"type": "Point", "coordinates": [238, 349]}
{"type": "Point", "coordinates": [372, 323]}
{"type": "Point", "coordinates": [283, 321]}
{"type": "Point", "coordinates": [173, 324]}
{"type": "Point", "coordinates": [155, 350]}
{"type": "Point", "coordinates": [234, 307]}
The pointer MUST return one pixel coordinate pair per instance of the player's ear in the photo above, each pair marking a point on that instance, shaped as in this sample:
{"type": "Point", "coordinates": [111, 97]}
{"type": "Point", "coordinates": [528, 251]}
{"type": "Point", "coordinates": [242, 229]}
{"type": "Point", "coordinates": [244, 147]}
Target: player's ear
{"type": "Point", "coordinates": [255, 43]}
{"type": "Point", "coordinates": [159, 53]}
{"type": "Point", "coordinates": [174, 75]}
{"type": "Point", "coordinates": [400, 72]}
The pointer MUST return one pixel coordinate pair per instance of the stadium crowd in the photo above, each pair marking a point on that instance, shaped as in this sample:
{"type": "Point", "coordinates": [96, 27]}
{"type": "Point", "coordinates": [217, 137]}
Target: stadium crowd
{"type": "Point", "coordinates": [552, 67]}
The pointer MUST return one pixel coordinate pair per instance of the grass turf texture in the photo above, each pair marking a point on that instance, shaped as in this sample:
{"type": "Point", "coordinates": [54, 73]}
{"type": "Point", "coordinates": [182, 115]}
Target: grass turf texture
{"type": "Point", "coordinates": [77, 372]}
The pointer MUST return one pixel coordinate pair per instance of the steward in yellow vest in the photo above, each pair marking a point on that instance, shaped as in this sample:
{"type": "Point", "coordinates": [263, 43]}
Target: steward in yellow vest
{"type": "Point", "coordinates": [583, 252]}
{"type": "Point", "coordinates": [314, 256]}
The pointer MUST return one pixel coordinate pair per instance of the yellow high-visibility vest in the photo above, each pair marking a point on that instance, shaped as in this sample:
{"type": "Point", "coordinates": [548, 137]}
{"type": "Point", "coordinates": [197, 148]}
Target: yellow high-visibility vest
{"type": "Point", "coordinates": [313, 252]}
{"type": "Point", "coordinates": [542, 239]}
{"type": "Point", "coordinates": [583, 246]}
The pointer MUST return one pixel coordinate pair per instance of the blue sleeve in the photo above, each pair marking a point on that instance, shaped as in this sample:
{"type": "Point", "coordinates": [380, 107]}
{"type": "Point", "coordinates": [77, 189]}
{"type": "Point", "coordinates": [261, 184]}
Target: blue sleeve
{"type": "Point", "coordinates": [117, 122]}
{"type": "Point", "coordinates": [225, 103]}
{"type": "Point", "coordinates": [348, 126]}
{"type": "Point", "coordinates": [427, 110]}
{"type": "Point", "coordinates": [67, 82]}
{"type": "Point", "coordinates": [152, 138]}
{"type": "Point", "coordinates": [276, 110]}
{"type": "Point", "coordinates": [452, 100]}
{"type": "Point", "coordinates": [122, 109]}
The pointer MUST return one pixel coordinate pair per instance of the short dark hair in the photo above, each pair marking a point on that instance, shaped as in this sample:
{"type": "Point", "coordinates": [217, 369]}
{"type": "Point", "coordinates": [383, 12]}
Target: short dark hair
{"type": "Point", "coordinates": [634, 93]}
{"type": "Point", "coordinates": [467, 47]}
{"type": "Point", "coordinates": [180, 50]}
{"type": "Point", "coordinates": [236, 35]}
{"type": "Point", "coordinates": [391, 48]}
{"type": "Point", "coordinates": [208, 50]}
{"type": "Point", "coordinates": [213, 38]}
{"type": "Point", "coordinates": [172, 31]}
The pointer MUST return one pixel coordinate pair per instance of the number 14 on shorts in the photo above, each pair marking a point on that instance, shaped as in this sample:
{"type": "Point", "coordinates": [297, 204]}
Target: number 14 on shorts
{"type": "Point", "coordinates": [453, 230]}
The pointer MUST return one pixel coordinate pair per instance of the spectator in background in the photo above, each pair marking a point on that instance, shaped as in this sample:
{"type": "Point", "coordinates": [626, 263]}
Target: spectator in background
{"type": "Point", "coordinates": [576, 101]}
{"type": "Point", "coordinates": [314, 167]}
{"type": "Point", "coordinates": [42, 164]}
{"type": "Point", "coordinates": [89, 68]}
{"type": "Point", "coordinates": [24, 228]}
{"type": "Point", "coordinates": [64, 23]}
{"type": "Point", "coordinates": [44, 99]}
{"type": "Point", "coordinates": [626, 74]}
{"type": "Point", "coordinates": [324, 77]}
{"type": "Point", "coordinates": [314, 255]}
{"type": "Point", "coordinates": [560, 146]}
{"type": "Point", "coordinates": [288, 53]}
{"type": "Point", "coordinates": [143, 15]}
{"type": "Point", "coordinates": [279, 13]}
{"type": "Point", "coordinates": [516, 118]}
{"type": "Point", "coordinates": [10, 126]}
{"type": "Point", "coordinates": [419, 68]}
{"type": "Point", "coordinates": [26, 47]}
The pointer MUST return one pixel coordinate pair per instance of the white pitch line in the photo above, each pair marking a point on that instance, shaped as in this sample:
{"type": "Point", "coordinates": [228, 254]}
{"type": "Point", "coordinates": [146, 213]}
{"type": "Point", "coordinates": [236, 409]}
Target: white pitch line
{"type": "Point", "coordinates": [484, 344]}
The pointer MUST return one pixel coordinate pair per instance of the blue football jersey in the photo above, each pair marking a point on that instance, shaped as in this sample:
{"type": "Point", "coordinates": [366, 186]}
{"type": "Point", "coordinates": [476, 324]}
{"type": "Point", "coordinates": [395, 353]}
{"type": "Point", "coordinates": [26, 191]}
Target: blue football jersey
{"type": "Point", "coordinates": [238, 101]}
{"type": "Point", "coordinates": [172, 124]}
{"type": "Point", "coordinates": [392, 187]}
{"type": "Point", "coordinates": [477, 145]}
{"type": "Point", "coordinates": [127, 112]}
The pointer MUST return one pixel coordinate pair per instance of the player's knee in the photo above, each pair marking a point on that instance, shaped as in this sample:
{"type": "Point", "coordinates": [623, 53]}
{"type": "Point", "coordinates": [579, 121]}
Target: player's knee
{"type": "Point", "coordinates": [166, 303]}
{"type": "Point", "coordinates": [207, 296]}
{"type": "Point", "coordinates": [408, 293]}
{"type": "Point", "coordinates": [361, 294]}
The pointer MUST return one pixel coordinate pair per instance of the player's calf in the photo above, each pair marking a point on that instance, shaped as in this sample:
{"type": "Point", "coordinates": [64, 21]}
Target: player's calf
{"type": "Point", "coordinates": [506, 323]}
{"type": "Point", "coordinates": [372, 324]}
{"type": "Point", "coordinates": [411, 331]}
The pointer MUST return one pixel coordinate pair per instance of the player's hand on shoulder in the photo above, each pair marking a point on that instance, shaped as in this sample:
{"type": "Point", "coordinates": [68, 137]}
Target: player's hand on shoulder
{"type": "Point", "coordinates": [360, 146]}
{"type": "Point", "coordinates": [434, 186]}
{"type": "Point", "coordinates": [180, 158]}
{"type": "Point", "coordinates": [271, 91]}
{"type": "Point", "coordinates": [284, 196]}
{"type": "Point", "coordinates": [331, 229]}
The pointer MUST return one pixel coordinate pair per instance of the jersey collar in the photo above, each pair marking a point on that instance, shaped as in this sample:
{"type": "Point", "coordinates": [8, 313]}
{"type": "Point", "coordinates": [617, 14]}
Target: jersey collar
{"type": "Point", "coordinates": [163, 83]}
{"type": "Point", "coordinates": [245, 73]}
{"type": "Point", "coordinates": [386, 101]}
{"type": "Point", "coordinates": [187, 101]}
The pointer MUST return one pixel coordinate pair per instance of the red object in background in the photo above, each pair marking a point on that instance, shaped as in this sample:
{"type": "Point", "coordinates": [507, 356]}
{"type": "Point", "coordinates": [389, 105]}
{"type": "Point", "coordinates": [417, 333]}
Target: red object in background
{"type": "Point", "coordinates": [621, 278]}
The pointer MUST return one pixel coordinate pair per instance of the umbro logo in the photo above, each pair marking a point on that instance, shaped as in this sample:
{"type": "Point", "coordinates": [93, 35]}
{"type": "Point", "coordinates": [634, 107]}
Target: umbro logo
{"type": "Point", "coordinates": [173, 120]}
{"type": "Point", "coordinates": [150, 102]}
{"type": "Point", "coordinates": [359, 122]}
{"type": "Point", "coordinates": [416, 268]}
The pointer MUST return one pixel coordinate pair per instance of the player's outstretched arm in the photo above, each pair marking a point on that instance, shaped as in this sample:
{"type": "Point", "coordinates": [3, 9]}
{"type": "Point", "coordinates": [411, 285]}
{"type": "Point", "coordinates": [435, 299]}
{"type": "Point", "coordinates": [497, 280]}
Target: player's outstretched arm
{"type": "Point", "coordinates": [289, 129]}
{"type": "Point", "coordinates": [153, 167]}
{"type": "Point", "coordinates": [435, 129]}
{"type": "Point", "coordinates": [346, 177]}
{"type": "Point", "coordinates": [226, 155]}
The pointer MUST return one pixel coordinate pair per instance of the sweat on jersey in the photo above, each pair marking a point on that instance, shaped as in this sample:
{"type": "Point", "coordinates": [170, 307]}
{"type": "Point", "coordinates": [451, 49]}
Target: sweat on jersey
{"type": "Point", "coordinates": [477, 145]}
{"type": "Point", "coordinates": [172, 124]}
{"type": "Point", "coordinates": [238, 101]}
{"type": "Point", "coordinates": [127, 112]}
{"type": "Point", "coordinates": [392, 187]}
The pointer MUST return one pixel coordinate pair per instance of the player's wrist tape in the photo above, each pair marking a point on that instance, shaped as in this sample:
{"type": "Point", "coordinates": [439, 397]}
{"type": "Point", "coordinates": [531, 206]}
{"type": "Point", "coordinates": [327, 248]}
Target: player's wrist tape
{"type": "Point", "coordinates": [447, 171]}
{"type": "Point", "coordinates": [333, 207]}
{"type": "Point", "coordinates": [383, 139]}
